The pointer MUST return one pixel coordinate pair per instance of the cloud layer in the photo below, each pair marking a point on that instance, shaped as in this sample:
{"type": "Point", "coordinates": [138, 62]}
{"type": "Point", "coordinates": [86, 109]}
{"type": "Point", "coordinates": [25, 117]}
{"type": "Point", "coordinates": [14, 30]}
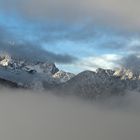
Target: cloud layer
{"type": "Point", "coordinates": [34, 116]}
{"type": "Point", "coordinates": [30, 51]}
{"type": "Point", "coordinates": [124, 14]}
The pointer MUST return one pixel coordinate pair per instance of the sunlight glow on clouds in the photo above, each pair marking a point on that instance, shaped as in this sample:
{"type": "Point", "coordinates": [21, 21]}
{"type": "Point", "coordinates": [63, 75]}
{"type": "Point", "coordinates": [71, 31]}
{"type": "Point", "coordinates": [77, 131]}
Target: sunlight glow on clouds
{"type": "Point", "coordinates": [107, 61]}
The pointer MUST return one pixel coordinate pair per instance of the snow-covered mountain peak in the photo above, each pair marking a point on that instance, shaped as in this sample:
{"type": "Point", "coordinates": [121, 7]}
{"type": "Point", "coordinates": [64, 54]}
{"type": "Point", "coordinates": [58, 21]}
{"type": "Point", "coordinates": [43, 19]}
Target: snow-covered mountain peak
{"type": "Point", "coordinates": [24, 65]}
{"type": "Point", "coordinates": [108, 72]}
{"type": "Point", "coordinates": [29, 74]}
{"type": "Point", "coordinates": [63, 76]}
{"type": "Point", "coordinates": [122, 73]}
{"type": "Point", "coordinates": [5, 60]}
{"type": "Point", "coordinates": [126, 74]}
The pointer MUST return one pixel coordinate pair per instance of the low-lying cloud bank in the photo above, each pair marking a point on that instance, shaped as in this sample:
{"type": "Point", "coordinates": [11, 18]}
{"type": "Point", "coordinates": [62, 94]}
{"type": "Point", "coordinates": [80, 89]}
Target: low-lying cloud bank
{"type": "Point", "coordinates": [33, 116]}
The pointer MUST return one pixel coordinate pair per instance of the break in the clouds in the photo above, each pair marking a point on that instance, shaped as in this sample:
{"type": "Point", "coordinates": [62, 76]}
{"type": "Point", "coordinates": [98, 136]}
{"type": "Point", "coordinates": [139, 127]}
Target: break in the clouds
{"type": "Point", "coordinates": [80, 34]}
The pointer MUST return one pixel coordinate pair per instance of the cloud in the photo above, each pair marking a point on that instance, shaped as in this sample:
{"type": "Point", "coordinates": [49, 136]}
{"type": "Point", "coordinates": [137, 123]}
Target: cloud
{"type": "Point", "coordinates": [131, 62]}
{"type": "Point", "coordinates": [40, 115]}
{"type": "Point", "coordinates": [116, 13]}
{"type": "Point", "coordinates": [30, 51]}
{"type": "Point", "coordinates": [107, 26]}
{"type": "Point", "coordinates": [107, 61]}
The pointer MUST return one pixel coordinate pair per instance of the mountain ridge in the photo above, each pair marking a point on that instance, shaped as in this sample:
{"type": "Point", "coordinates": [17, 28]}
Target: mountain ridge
{"type": "Point", "coordinates": [98, 84]}
{"type": "Point", "coordinates": [28, 74]}
{"type": "Point", "coordinates": [87, 84]}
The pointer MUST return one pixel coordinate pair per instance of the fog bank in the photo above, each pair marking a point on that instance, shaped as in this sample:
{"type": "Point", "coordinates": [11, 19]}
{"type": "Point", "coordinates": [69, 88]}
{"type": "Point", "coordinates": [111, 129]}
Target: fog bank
{"type": "Point", "coordinates": [39, 116]}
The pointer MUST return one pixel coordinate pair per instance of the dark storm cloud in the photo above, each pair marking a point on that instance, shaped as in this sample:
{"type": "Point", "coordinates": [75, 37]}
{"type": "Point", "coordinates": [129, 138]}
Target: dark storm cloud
{"type": "Point", "coordinates": [32, 52]}
{"type": "Point", "coordinates": [131, 62]}
{"type": "Point", "coordinates": [29, 51]}
{"type": "Point", "coordinates": [76, 20]}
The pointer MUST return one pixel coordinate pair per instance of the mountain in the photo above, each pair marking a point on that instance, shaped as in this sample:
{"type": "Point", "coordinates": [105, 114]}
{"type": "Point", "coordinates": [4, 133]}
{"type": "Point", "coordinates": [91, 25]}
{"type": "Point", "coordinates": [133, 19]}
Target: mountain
{"type": "Point", "coordinates": [6, 83]}
{"type": "Point", "coordinates": [36, 75]}
{"type": "Point", "coordinates": [62, 76]}
{"type": "Point", "coordinates": [127, 74]}
{"type": "Point", "coordinates": [28, 66]}
{"type": "Point", "coordinates": [87, 84]}
{"type": "Point", "coordinates": [102, 83]}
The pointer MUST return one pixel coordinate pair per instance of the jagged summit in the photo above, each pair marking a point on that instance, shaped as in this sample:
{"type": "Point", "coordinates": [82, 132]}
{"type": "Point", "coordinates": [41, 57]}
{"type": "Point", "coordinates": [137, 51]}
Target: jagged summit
{"type": "Point", "coordinates": [101, 83]}
{"type": "Point", "coordinates": [63, 76]}
{"type": "Point", "coordinates": [5, 60]}
{"type": "Point", "coordinates": [105, 71]}
{"type": "Point", "coordinates": [28, 66]}
{"type": "Point", "coordinates": [31, 74]}
{"type": "Point", "coordinates": [87, 84]}
{"type": "Point", "coordinates": [121, 73]}
{"type": "Point", "coordinates": [126, 74]}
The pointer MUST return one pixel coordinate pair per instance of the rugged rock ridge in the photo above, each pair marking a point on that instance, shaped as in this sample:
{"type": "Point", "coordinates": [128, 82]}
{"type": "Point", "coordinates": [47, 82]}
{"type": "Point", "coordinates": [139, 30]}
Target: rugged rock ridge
{"type": "Point", "coordinates": [38, 75]}
{"type": "Point", "coordinates": [31, 67]}
{"type": "Point", "coordinates": [121, 73]}
{"type": "Point", "coordinates": [127, 74]}
{"type": "Point", "coordinates": [87, 84]}
{"type": "Point", "coordinates": [102, 83]}
{"type": "Point", "coordinates": [63, 76]}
